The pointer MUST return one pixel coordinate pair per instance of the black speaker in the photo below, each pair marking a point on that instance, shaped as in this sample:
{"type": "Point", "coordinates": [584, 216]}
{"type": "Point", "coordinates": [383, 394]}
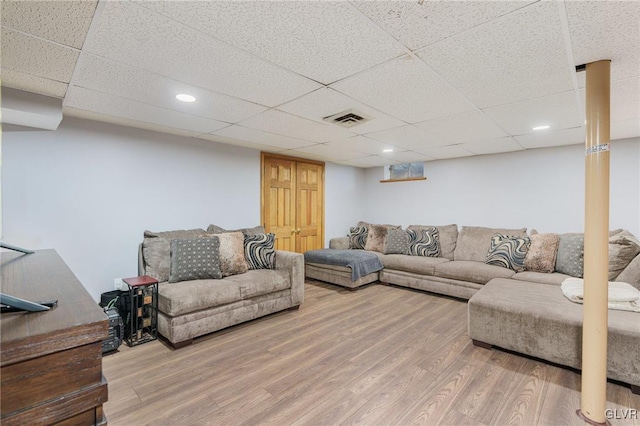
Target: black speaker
{"type": "Point", "coordinates": [116, 331]}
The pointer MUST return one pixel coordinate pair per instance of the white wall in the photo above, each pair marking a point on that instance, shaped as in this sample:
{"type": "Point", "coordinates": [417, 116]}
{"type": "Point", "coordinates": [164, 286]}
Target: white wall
{"type": "Point", "coordinates": [542, 189]}
{"type": "Point", "coordinates": [90, 189]}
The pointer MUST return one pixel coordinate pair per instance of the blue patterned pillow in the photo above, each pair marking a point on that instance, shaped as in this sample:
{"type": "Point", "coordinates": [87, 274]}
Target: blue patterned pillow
{"type": "Point", "coordinates": [358, 237]}
{"type": "Point", "coordinates": [259, 251]}
{"type": "Point", "coordinates": [424, 242]}
{"type": "Point", "coordinates": [508, 252]}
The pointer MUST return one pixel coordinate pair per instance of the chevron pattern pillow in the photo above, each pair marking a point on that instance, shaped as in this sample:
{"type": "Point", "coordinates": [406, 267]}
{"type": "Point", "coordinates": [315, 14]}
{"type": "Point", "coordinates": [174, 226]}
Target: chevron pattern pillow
{"type": "Point", "coordinates": [358, 237]}
{"type": "Point", "coordinates": [424, 242]}
{"type": "Point", "coordinates": [259, 251]}
{"type": "Point", "coordinates": [508, 252]}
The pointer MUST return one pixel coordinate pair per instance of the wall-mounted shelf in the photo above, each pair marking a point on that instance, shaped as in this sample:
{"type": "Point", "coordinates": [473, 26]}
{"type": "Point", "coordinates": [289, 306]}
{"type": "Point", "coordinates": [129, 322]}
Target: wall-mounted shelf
{"type": "Point", "coordinates": [403, 180]}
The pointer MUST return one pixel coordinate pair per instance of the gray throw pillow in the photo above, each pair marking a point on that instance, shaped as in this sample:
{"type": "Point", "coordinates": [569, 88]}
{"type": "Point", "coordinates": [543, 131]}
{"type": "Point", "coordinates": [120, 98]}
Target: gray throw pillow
{"type": "Point", "coordinates": [570, 258]}
{"type": "Point", "coordinates": [508, 252]}
{"type": "Point", "coordinates": [424, 242]}
{"type": "Point", "coordinates": [259, 251]}
{"type": "Point", "coordinates": [397, 242]}
{"type": "Point", "coordinates": [195, 259]}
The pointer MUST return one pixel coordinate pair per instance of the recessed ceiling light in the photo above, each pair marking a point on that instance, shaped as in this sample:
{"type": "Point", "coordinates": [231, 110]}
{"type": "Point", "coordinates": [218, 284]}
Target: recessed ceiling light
{"type": "Point", "coordinates": [545, 127]}
{"type": "Point", "coordinates": [387, 150]}
{"type": "Point", "coordinates": [185, 98]}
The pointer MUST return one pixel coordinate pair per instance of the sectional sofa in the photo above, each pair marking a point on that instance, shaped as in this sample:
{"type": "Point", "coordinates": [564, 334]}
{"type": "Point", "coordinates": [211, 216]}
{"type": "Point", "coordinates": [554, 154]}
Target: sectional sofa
{"type": "Point", "coordinates": [523, 311]}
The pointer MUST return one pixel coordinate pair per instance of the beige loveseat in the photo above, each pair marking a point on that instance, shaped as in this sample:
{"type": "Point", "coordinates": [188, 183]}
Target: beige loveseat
{"type": "Point", "coordinates": [520, 311]}
{"type": "Point", "coordinates": [189, 309]}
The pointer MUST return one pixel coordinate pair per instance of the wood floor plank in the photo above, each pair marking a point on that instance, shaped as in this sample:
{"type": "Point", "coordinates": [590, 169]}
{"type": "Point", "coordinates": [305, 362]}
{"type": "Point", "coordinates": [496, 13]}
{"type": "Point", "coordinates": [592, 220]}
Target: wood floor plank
{"type": "Point", "coordinates": [380, 355]}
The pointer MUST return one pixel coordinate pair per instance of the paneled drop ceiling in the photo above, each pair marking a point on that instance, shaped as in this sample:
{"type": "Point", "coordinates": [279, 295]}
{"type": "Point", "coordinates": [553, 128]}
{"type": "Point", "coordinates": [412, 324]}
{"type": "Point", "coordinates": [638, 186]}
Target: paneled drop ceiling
{"type": "Point", "coordinates": [438, 79]}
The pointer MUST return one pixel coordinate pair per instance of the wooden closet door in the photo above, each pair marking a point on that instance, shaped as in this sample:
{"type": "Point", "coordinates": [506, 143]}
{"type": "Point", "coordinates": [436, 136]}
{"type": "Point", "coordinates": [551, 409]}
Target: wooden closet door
{"type": "Point", "coordinates": [278, 197]}
{"type": "Point", "coordinates": [293, 202]}
{"type": "Point", "coordinates": [309, 207]}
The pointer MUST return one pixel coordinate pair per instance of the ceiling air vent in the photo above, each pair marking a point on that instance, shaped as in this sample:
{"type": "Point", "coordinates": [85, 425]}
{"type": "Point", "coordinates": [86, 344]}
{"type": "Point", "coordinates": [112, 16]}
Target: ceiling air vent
{"type": "Point", "coordinates": [348, 118]}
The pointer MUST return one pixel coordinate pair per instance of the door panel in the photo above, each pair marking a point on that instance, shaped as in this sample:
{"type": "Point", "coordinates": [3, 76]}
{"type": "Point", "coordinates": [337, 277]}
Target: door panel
{"type": "Point", "coordinates": [279, 205]}
{"type": "Point", "coordinates": [293, 202]}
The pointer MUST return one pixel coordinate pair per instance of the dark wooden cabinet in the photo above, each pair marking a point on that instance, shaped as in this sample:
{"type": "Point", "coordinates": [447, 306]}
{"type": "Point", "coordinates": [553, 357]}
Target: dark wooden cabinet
{"type": "Point", "coordinates": [51, 361]}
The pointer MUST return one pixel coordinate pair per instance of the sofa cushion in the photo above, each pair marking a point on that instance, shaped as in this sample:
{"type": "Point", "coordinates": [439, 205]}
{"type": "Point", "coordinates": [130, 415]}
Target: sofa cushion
{"type": "Point", "coordinates": [232, 259]}
{"type": "Point", "coordinates": [542, 253]}
{"type": "Point", "coordinates": [396, 242]}
{"type": "Point", "coordinates": [475, 272]}
{"type": "Point", "coordinates": [358, 237]}
{"type": "Point", "coordinates": [190, 296]}
{"type": "Point", "coordinates": [474, 241]}
{"type": "Point", "coordinates": [424, 242]}
{"type": "Point", "coordinates": [416, 264]}
{"type": "Point", "coordinates": [631, 274]}
{"type": "Point", "coordinates": [508, 252]}
{"type": "Point", "coordinates": [376, 235]}
{"type": "Point", "coordinates": [156, 250]}
{"type": "Point", "coordinates": [195, 259]}
{"type": "Point", "coordinates": [447, 235]}
{"type": "Point", "coordinates": [570, 259]}
{"type": "Point", "coordinates": [554, 278]}
{"type": "Point", "coordinates": [259, 251]}
{"type": "Point", "coordinates": [623, 248]}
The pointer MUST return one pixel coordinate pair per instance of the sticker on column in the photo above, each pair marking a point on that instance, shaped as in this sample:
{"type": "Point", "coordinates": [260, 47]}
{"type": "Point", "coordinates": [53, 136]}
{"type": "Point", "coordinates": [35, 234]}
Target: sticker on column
{"type": "Point", "coordinates": [597, 148]}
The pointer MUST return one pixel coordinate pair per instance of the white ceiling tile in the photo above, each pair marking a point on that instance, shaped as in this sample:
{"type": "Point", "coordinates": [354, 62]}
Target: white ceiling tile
{"type": "Point", "coordinates": [625, 99]}
{"type": "Point", "coordinates": [122, 121]}
{"type": "Point", "coordinates": [354, 163]}
{"type": "Point", "coordinates": [417, 24]}
{"type": "Point", "coordinates": [281, 123]}
{"type": "Point", "coordinates": [32, 83]}
{"type": "Point", "coordinates": [362, 144]}
{"type": "Point", "coordinates": [144, 39]}
{"type": "Point", "coordinates": [34, 56]}
{"type": "Point", "coordinates": [406, 156]}
{"type": "Point", "coordinates": [136, 84]}
{"type": "Point", "coordinates": [625, 129]}
{"type": "Point", "coordinates": [515, 57]}
{"type": "Point", "coordinates": [375, 160]}
{"type": "Point", "coordinates": [464, 127]}
{"type": "Point", "coordinates": [65, 22]}
{"type": "Point", "coordinates": [237, 142]}
{"type": "Point", "coordinates": [606, 30]}
{"type": "Point", "coordinates": [326, 102]}
{"type": "Point", "coordinates": [441, 152]}
{"type": "Point", "coordinates": [560, 111]}
{"type": "Point", "coordinates": [330, 153]}
{"type": "Point", "coordinates": [550, 138]}
{"type": "Point", "coordinates": [406, 89]}
{"type": "Point", "coordinates": [310, 38]}
{"type": "Point", "coordinates": [493, 146]}
{"type": "Point", "coordinates": [260, 137]}
{"type": "Point", "coordinates": [80, 98]}
{"type": "Point", "coordinates": [408, 137]}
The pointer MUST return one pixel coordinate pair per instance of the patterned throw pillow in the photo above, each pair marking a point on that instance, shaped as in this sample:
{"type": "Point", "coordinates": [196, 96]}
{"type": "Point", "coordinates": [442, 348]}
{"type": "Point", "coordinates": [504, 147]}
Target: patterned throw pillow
{"type": "Point", "coordinates": [195, 259]}
{"type": "Point", "coordinates": [397, 242]}
{"type": "Point", "coordinates": [424, 242]}
{"type": "Point", "coordinates": [508, 252]}
{"type": "Point", "coordinates": [358, 237]}
{"type": "Point", "coordinates": [542, 253]}
{"type": "Point", "coordinates": [570, 258]}
{"type": "Point", "coordinates": [259, 251]}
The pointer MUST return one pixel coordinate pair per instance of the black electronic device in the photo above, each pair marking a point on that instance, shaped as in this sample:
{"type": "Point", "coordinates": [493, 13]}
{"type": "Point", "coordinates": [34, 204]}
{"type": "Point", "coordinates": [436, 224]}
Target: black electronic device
{"type": "Point", "coordinates": [116, 331]}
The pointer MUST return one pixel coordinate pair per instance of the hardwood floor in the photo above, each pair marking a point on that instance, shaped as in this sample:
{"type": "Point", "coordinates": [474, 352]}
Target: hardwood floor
{"type": "Point", "coordinates": [377, 356]}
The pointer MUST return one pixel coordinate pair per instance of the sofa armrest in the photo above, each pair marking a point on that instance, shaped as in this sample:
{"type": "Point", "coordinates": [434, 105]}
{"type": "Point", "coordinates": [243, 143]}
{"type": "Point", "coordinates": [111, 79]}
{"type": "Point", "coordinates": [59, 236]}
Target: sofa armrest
{"type": "Point", "coordinates": [293, 264]}
{"type": "Point", "coordinates": [142, 267]}
{"type": "Point", "coordinates": [339, 243]}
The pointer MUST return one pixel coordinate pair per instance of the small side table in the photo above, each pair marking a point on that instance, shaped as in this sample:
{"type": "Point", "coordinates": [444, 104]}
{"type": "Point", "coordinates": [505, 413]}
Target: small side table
{"type": "Point", "coordinates": [143, 292]}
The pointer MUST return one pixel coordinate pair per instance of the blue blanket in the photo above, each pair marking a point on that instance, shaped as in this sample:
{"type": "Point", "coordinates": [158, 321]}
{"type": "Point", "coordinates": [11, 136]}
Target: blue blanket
{"type": "Point", "coordinates": [361, 262]}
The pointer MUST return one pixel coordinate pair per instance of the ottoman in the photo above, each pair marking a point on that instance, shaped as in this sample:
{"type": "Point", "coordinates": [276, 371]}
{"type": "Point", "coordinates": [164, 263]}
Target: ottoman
{"type": "Point", "coordinates": [347, 268]}
{"type": "Point", "coordinates": [537, 320]}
